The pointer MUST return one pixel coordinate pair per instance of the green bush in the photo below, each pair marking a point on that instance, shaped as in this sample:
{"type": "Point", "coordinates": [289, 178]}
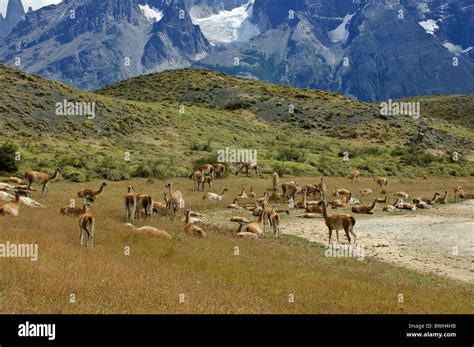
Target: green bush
{"type": "Point", "coordinates": [291, 154]}
{"type": "Point", "coordinates": [74, 175]}
{"type": "Point", "coordinates": [8, 162]}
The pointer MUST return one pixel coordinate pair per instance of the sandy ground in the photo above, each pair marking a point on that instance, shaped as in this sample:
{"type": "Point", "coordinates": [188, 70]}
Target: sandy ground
{"type": "Point", "coordinates": [438, 241]}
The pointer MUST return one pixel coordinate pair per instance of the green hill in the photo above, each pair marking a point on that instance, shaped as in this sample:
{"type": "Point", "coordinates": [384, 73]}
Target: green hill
{"type": "Point", "coordinates": [162, 124]}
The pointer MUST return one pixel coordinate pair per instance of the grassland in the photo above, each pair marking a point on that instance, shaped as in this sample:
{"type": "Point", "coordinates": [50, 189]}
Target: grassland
{"type": "Point", "coordinates": [212, 279]}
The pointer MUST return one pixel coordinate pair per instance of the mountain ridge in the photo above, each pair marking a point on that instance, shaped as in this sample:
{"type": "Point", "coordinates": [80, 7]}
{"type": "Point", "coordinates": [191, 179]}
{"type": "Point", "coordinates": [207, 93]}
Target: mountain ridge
{"type": "Point", "coordinates": [372, 51]}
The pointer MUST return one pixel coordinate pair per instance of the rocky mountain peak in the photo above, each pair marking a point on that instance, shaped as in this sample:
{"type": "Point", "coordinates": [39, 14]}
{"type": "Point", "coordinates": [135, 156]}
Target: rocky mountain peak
{"type": "Point", "coordinates": [15, 14]}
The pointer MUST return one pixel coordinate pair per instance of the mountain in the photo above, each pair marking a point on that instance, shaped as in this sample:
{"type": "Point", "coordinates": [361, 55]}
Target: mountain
{"type": "Point", "coordinates": [89, 43]}
{"type": "Point", "coordinates": [15, 14]}
{"type": "Point", "coordinates": [370, 50]}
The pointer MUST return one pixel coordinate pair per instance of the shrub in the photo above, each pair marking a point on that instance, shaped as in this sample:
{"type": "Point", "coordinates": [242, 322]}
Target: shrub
{"type": "Point", "coordinates": [8, 162]}
{"type": "Point", "coordinates": [291, 154]}
{"type": "Point", "coordinates": [71, 174]}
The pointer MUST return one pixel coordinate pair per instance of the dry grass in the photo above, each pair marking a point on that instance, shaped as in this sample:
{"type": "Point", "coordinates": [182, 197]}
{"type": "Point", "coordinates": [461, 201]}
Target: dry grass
{"type": "Point", "coordinates": [211, 277]}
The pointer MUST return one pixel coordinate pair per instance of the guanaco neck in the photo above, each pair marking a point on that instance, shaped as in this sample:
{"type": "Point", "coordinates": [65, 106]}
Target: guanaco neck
{"type": "Point", "coordinates": [325, 212]}
{"type": "Point", "coordinates": [55, 175]}
{"type": "Point", "coordinates": [101, 189]}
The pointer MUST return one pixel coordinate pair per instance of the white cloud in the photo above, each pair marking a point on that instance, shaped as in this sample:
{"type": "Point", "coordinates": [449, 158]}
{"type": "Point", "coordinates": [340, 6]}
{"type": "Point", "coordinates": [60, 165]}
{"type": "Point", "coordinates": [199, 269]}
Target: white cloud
{"type": "Point", "coordinates": [36, 4]}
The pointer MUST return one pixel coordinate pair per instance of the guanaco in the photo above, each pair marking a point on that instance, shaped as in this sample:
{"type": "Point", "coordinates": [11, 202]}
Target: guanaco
{"type": "Point", "coordinates": [465, 195]}
{"type": "Point", "coordinates": [213, 196]}
{"type": "Point", "coordinates": [354, 175]}
{"type": "Point", "coordinates": [442, 199]}
{"type": "Point", "coordinates": [253, 227]}
{"type": "Point", "coordinates": [150, 231]}
{"type": "Point", "coordinates": [130, 204]}
{"type": "Point", "coordinates": [234, 205]}
{"type": "Point", "coordinates": [248, 167]}
{"type": "Point", "coordinates": [338, 192]}
{"type": "Point", "coordinates": [12, 208]}
{"type": "Point", "coordinates": [42, 179]}
{"type": "Point", "coordinates": [337, 222]}
{"type": "Point", "coordinates": [429, 201]}
{"type": "Point", "coordinates": [322, 188]}
{"type": "Point", "coordinates": [176, 198]}
{"type": "Point", "coordinates": [86, 226]}
{"type": "Point", "coordinates": [457, 193]}
{"type": "Point", "coordinates": [392, 208]}
{"type": "Point", "coordinates": [366, 209]}
{"type": "Point", "coordinates": [275, 218]}
{"type": "Point", "coordinates": [402, 195]}
{"type": "Point", "coordinates": [275, 180]}
{"type": "Point", "coordinates": [144, 202]}
{"type": "Point", "coordinates": [382, 182]}
{"type": "Point", "coordinates": [208, 180]}
{"type": "Point", "coordinates": [89, 193]}
{"type": "Point", "coordinates": [219, 170]}
{"type": "Point", "coordinates": [192, 229]}
{"type": "Point", "coordinates": [74, 211]}
{"type": "Point", "coordinates": [197, 179]}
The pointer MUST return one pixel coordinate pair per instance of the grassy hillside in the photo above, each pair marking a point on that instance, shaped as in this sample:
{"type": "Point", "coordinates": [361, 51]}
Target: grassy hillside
{"type": "Point", "coordinates": [168, 121]}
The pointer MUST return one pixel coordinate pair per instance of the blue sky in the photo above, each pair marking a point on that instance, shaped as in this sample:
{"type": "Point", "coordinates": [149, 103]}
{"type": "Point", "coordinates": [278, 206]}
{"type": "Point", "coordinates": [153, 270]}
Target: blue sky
{"type": "Point", "coordinates": [27, 3]}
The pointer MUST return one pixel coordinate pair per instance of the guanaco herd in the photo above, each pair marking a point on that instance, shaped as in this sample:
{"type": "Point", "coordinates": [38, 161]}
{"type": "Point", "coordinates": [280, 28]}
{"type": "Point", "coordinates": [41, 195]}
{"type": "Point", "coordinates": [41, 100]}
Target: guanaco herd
{"type": "Point", "coordinates": [17, 193]}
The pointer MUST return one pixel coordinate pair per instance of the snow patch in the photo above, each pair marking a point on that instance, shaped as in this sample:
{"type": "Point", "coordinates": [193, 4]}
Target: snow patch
{"type": "Point", "coordinates": [341, 34]}
{"type": "Point", "coordinates": [430, 26]}
{"type": "Point", "coordinates": [151, 13]}
{"type": "Point", "coordinates": [229, 26]}
{"type": "Point", "coordinates": [423, 7]}
{"type": "Point", "coordinates": [456, 49]}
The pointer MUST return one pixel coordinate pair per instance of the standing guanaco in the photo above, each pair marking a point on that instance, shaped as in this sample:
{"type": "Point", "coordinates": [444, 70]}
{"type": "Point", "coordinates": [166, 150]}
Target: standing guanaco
{"type": "Point", "coordinates": [89, 193]}
{"type": "Point", "coordinates": [337, 222]}
{"type": "Point", "coordinates": [86, 226]}
{"type": "Point", "coordinates": [42, 179]}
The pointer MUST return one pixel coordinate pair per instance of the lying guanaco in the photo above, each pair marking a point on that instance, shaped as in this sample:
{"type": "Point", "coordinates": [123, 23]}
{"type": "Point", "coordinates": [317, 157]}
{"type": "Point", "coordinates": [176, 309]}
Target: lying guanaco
{"type": "Point", "coordinates": [192, 229]}
{"type": "Point", "coordinates": [365, 209]}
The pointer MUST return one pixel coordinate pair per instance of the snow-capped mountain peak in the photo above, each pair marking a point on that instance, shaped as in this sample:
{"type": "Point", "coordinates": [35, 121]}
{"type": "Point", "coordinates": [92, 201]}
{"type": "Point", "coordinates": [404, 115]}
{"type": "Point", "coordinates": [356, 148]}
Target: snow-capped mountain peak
{"type": "Point", "coordinates": [152, 14]}
{"type": "Point", "coordinates": [228, 26]}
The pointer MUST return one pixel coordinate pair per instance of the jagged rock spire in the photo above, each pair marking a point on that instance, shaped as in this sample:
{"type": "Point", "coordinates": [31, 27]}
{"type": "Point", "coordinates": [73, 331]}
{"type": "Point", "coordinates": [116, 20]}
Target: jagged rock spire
{"type": "Point", "coordinates": [15, 11]}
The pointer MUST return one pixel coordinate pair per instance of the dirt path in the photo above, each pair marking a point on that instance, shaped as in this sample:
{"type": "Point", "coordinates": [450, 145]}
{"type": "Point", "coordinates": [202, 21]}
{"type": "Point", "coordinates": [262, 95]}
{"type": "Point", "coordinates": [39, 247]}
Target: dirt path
{"type": "Point", "coordinates": [425, 241]}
